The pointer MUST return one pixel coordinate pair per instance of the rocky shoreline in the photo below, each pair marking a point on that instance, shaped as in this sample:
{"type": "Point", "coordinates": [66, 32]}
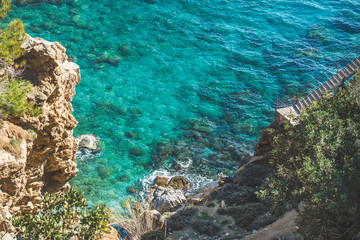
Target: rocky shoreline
{"type": "Point", "coordinates": [227, 209]}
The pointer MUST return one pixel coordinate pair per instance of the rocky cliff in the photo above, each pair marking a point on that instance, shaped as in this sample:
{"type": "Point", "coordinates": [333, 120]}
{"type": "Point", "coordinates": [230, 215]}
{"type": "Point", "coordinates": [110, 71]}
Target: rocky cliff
{"type": "Point", "coordinates": [37, 154]}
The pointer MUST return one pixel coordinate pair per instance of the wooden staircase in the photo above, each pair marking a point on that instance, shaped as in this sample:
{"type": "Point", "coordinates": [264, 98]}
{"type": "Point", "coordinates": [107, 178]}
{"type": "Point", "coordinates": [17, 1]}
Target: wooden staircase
{"type": "Point", "coordinates": [289, 110]}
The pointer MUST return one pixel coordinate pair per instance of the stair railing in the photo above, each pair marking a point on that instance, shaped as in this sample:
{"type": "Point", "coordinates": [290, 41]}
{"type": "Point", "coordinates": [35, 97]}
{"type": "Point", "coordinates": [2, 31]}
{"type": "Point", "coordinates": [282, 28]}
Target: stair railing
{"type": "Point", "coordinates": [321, 78]}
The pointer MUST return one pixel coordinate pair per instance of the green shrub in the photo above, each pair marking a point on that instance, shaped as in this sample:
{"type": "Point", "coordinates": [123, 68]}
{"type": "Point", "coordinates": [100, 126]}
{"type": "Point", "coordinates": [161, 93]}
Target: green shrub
{"type": "Point", "coordinates": [244, 215]}
{"type": "Point", "coordinates": [33, 132]}
{"type": "Point", "coordinates": [11, 37]}
{"type": "Point", "coordinates": [61, 216]}
{"type": "Point", "coordinates": [14, 91]}
{"type": "Point", "coordinates": [14, 101]}
{"type": "Point", "coordinates": [318, 163]}
{"type": "Point", "coordinates": [14, 143]}
{"type": "Point", "coordinates": [5, 8]}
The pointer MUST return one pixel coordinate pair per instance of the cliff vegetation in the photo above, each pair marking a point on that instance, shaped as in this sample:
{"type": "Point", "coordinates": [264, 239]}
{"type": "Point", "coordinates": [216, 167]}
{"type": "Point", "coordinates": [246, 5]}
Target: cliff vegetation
{"type": "Point", "coordinates": [318, 165]}
{"type": "Point", "coordinates": [14, 89]}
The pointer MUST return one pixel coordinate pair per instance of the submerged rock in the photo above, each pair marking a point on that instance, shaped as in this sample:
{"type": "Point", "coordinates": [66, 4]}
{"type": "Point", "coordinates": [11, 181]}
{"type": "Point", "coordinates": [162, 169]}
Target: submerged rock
{"type": "Point", "coordinates": [204, 125]}
{"type": "Point", "coordinates": [133, 135]}
{"type": "Point", "coordinates": [89, 141]}
{"type": "Point", "coordinates": [133, 189]}
{"type": "Point", "coordinates": [136, 151]}
{"type": "Point", "coordinates": [104, 171]}
{"type": "Point", "coordinates": [124, 178]}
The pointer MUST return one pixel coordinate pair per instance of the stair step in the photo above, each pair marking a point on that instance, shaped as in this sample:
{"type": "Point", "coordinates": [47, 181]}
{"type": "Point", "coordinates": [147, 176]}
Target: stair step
{"type": "Point", "coordinates": [342, 75]}
{"type": "Point", "coordinates": [351, 68]}
{"type": "Point", "coordinates": [354, 65]}
{"type": "Point", "coordinates": [302, 105]}
{"type": "Point", "coordinates": [334, 81]}
{"type": "Point", "coordinates": [337, 77]}
{"type": "Point", "coordinates": [320, 91]}
{"type": "Point", "coordinates": [313, 96]}
{"type": "Point", "coordinates": [309, 100]}
{"type": "Point", "coordinates": [317, 94]}
{"type": "Point", "coordinates": [347, 71]}
{"type": "Point", "coordinates": [323, 89]}
{"type": "Point", "coordinates": [357, 61]}
{"type": "Point", "coordinates": [306, 104]}
{"type": "Point", "coordinates": [329, 84]}
{"type": "Point", "coordinates": [326, 87]}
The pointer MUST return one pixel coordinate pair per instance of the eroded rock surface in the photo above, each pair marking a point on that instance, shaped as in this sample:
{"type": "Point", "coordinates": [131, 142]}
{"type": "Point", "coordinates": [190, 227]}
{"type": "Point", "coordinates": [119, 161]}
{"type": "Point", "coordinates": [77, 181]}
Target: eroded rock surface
{"type": "Point", "coordinates": [168, 199]}
{"type": "Point", "coordinates": [37, 154]}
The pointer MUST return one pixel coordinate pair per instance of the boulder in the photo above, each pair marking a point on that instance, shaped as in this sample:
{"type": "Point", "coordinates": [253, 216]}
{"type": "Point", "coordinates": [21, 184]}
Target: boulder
{"type": "Point", "coordinates": [161, 181]}
{"type": "Point", "coordinates": [202, 194]}
{"type": "Point", "coordinates": [167, 199]}
{"type": "Point", "coordinates": [251, 174]}
{"type": "Point", "coordinates": [179, 182]}
{"type": "Point", "coordinates": [89, 141]}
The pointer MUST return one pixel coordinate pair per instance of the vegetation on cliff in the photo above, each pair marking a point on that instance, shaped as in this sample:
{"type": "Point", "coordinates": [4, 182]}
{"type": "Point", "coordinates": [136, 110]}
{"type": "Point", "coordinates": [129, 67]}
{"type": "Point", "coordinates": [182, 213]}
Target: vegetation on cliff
{"type": "Point", "coordinates": [318, 163]}
{"type": "Point", "coordinates": [14, 90]}
{"type": "Point", "coordinates": [62, 216]}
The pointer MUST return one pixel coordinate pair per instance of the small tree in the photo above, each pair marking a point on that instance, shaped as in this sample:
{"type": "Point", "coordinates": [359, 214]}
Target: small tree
{"type": "Point", "coordinates": [63, 215]}
{"type": "Point", "coordinates": [11, 38]}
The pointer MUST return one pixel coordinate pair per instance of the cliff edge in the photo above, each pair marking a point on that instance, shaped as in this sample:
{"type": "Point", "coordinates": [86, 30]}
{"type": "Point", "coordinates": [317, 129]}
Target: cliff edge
{"type": "Point", "coordinates": [37, 154]}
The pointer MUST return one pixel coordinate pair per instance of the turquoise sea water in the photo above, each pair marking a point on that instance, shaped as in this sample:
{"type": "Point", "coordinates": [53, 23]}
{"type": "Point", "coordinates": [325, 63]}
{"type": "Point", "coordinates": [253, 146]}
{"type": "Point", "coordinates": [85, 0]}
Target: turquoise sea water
{"type": "Point", "coordinates": [184, 86]}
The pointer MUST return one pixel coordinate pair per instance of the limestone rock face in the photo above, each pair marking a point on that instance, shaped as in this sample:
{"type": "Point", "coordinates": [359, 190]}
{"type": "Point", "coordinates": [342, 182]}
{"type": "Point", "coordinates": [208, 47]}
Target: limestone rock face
{"type": "Point", "coordinates": [37, 154]}
{"type": "Point", "coordinates": [14, 145]}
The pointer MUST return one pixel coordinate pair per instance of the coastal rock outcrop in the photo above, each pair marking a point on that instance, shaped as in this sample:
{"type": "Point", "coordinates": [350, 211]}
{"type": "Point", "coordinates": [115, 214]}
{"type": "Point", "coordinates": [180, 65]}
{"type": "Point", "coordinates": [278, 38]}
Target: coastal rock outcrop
{"type": "Point", "coordinates": [37, 154]}
{"type": "Point", "coordinates": [89, 141]}
{"type": "Point", "coordinates": [168, 195]}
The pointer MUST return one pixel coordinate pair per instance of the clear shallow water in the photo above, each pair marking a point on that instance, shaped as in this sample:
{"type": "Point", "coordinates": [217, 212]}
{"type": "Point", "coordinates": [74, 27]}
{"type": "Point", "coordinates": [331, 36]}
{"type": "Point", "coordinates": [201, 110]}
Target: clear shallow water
{"type": "Point", "coordinates": [186, 84]}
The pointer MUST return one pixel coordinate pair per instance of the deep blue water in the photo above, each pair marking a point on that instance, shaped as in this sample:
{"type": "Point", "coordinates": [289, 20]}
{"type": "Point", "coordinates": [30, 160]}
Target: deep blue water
{"type": "Point", "coordinates": [186, 84]}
